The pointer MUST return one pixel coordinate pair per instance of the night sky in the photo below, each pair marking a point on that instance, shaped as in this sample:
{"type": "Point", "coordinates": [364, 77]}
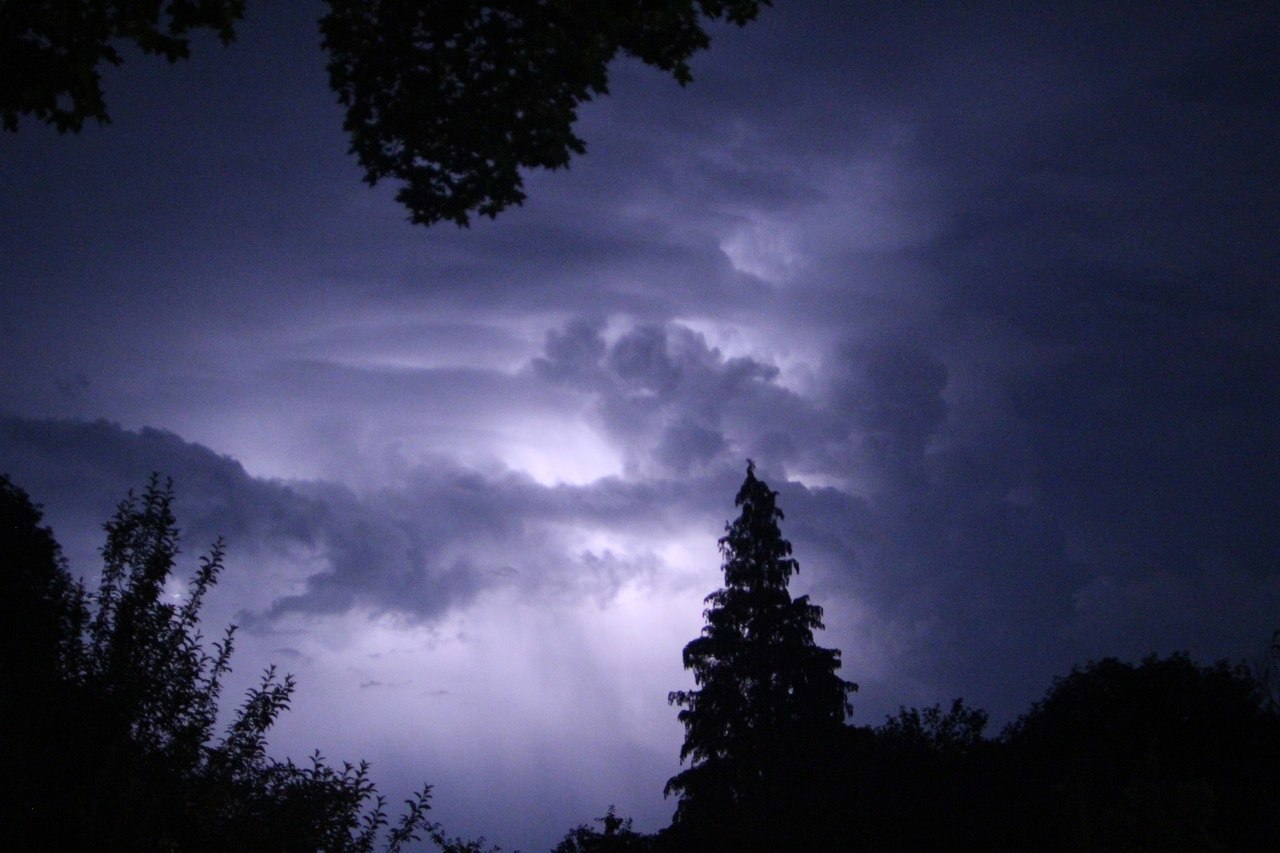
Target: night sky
{"type": "Point", "coordinates": [987, 291]}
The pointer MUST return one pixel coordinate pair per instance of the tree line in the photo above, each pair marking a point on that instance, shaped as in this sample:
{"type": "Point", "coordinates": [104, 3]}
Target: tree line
{"type": "Point", "coordinates": [1163, 755]}
{"type": "Point", "coordinates": [112, 697]}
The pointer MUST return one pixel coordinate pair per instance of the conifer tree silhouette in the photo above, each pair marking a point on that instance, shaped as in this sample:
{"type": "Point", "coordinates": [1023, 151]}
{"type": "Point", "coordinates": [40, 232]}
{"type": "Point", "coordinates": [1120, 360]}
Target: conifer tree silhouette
{"type": "Point", "coordinates": [760, 677]}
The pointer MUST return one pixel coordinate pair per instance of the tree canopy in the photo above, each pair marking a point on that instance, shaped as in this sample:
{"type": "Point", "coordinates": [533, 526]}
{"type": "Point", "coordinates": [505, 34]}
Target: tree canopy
{"type": "Point", "coordinates": [451, 98]}
{"type": "Point", "coordinates": [112, 738]}
{"type": "Point", "coordinates": [1164, 755]}
{"type": "Point", "coordinates": [52, 53]}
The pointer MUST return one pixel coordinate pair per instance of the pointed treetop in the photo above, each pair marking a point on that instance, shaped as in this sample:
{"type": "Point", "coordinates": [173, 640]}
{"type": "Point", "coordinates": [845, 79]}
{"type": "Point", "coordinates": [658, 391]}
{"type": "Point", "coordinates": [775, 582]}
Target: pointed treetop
{"type": "Point", "coordinates": [755, 554]}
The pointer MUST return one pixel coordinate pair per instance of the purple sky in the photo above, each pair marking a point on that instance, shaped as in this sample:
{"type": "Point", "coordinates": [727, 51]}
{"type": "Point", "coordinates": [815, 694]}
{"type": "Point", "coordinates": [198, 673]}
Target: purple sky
{"type": "Point", "coordinates": [987, 291]}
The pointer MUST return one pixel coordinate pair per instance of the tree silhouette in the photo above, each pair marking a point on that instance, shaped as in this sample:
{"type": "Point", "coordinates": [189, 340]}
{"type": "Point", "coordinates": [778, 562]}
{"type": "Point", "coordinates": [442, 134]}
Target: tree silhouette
{"type": "Point", "coordinates": [919, 781]}
{"type": "Point", "coordinates": [762, 682]}
{"type": "Point", "coordinates": [1165, 755]}
{"type": "Point", "coordinates": [42, 612]}
{"type": "Point", "coordinates": [450, 97]}
{"type": "Point", "coordinates": [1268, 673]}
{"type": "Point", "coordinates": [455, 98]}
{"type": "Point", "coordinates": [41, 608]}
{"type": "Point", "coordinates": [616, 837]}
{"type": "Point", "coordinates": [113, 701]}
{"type": "Point", "coordinates": [51, 53]}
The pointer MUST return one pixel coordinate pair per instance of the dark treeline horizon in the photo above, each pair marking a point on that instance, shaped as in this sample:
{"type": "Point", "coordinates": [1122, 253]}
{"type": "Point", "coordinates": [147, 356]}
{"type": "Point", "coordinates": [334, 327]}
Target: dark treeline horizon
{"type": "Point", "coordinates": [114, 696]}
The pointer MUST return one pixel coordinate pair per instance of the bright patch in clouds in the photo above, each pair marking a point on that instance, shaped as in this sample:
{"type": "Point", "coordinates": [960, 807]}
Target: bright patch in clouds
{"type": "Point", "coordinates": [557, 449]}
{"type": "Point", "coordinates": [765, 249]}
{"type": "Point", "coordinates": [770, 343]}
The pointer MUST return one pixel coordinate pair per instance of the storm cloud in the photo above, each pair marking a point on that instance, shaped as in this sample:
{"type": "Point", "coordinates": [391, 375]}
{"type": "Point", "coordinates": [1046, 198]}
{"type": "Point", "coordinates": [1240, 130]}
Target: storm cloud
{"type": "Point", "coordinates": [988, 295]}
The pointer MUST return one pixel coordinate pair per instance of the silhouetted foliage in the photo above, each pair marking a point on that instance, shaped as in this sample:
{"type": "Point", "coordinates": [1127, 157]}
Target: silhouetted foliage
{"type": "Point", "coordinates": [956, 731]}
{"type": "Point", "coordinates": [1268, 674]}
{"type": "Point", "coordinates": [617, 837]}
{"type": "Point", "coordinates": [765, 690]}
{"type": "Point", "coordinates": [450, 97]}
{"type": "Point", "coordinates": [111, 701]}
{"type": "Point", "coordinates": [51, 53]}
{"type": "Point", "coordinates": [919, 781]}
{"type": "Point", "coordinates": [455, 98]}
{"type": "Point", "coordinates": [115, 701]}
{"type": "Point", "coordinates": [42, 613]}
{"type": "Point", "coordinates": [1166, 755]}
{"type": "Point", "coordinates": [41, 608]}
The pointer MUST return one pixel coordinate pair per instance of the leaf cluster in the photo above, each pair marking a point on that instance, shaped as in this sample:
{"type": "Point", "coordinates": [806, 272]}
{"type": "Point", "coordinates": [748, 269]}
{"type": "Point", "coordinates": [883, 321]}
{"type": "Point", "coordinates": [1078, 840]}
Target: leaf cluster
{"type": "Point", "coordinates": [51, 53]}
{"type": "Point", "coordinates": [454, 99]}
{"type": "Point", "coordinates": [615, 836]}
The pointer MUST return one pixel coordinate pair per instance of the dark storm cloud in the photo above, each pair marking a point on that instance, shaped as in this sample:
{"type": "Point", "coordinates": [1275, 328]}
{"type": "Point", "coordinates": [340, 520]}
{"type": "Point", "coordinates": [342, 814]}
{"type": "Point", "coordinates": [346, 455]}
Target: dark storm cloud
{"type": "Point", "coordinates": [687, 444]}
{"type": "Point", "coordinates": [1059, 406]}
{"type": "Point", "coordinates": [415, 550]}
{"type": "Point", "coordinates": [369, 557]}
{"type": "Point", "coordinates": [81, 470]}
{"type": "Point", "coordinates": [945, 543]}
{"type": "Point", "coordinates": [1117, 465]}
{"type": "Point", "coordinates": [892, 397]}
{"type": "Point", "coordinates": [1075, 415]}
